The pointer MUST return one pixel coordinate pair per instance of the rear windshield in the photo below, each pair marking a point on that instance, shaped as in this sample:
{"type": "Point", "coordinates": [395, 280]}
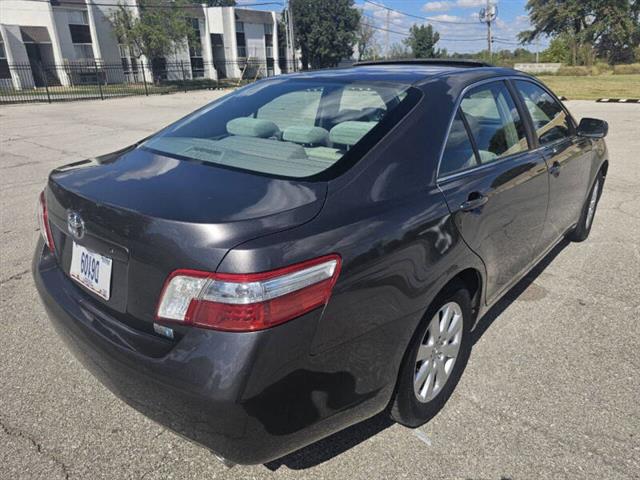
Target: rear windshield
{"type": "Point", "coordinates": [286, 127]}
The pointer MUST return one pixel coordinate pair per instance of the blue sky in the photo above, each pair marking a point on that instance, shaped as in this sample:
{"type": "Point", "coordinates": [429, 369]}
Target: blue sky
{"type": "Point", "coordinates": [455, 20]}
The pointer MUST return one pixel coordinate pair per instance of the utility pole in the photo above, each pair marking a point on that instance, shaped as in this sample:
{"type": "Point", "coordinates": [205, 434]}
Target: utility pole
{"type": "Point", "coordinates": [488, 15]}
{"type": "Point", "coordinates": [537, 50]}
{"type": "Point", "coordinates": [387, 24]}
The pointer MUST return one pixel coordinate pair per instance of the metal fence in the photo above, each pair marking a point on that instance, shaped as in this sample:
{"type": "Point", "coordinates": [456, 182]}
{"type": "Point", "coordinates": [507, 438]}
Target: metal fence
{"type": "Point", "coordinates": [39, 82]}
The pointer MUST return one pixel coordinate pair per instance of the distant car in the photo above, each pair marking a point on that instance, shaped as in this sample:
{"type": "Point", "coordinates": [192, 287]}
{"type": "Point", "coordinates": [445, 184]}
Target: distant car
{"type": "Point", "coordinates": [314, 248]}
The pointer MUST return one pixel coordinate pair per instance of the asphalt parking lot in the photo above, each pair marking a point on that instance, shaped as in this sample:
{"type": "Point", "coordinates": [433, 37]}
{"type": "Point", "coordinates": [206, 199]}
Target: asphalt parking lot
{"type": "Point", "coordinates": [551, 390]}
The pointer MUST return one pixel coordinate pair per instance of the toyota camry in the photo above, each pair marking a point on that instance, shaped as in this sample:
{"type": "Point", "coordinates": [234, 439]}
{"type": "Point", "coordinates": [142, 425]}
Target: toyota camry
{"type": "Point", "coordinates": [312, 249]}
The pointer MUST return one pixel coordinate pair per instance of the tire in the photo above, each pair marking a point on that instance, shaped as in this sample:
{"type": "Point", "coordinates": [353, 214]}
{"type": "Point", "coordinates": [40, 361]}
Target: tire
{"type": "Point", "coordinates": [406, 407]}
{"type": "Point", "coordinates": [582, 230]}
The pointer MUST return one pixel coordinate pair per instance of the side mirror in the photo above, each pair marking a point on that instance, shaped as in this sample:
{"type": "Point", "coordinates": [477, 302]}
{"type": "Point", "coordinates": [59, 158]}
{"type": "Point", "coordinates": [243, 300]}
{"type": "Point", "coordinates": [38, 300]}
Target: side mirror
{"type": "Point", "coordinates": [593, 128]}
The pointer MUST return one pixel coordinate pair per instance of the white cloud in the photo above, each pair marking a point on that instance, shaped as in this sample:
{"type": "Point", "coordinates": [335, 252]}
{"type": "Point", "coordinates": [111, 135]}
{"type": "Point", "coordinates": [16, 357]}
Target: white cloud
{"type": "Point", "coordinates": [471, 3]}
{"type": "Point", "coordinates": [448, 5]}
{"type": "Point", "coordinates": [437, 6]}
{"type": "Point", "coordinates": [446, 18]}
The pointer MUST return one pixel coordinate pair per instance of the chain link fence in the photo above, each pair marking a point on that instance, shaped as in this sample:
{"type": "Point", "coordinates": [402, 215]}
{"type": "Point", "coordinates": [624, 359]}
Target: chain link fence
{"type": "Point", "coordinates": [39, 82]}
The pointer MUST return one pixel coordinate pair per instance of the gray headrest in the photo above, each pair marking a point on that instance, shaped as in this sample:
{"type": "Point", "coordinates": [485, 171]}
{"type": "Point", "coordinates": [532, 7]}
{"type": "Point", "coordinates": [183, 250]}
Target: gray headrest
{"type": "Point", "coordinates": [306, 135]}
{"type": "Point", "coordinates": [251, 127]}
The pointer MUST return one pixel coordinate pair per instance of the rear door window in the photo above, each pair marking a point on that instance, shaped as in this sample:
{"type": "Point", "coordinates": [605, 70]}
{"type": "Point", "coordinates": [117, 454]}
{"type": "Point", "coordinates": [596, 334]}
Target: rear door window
{"type": "Point", "coordinates": [494, 122]}
{"type": "Point", "coordinates": [458, 153]}
{"type": "Point", "coordinates": [361, 103]}
{"type": "Point", "coordinates": [550, 120]}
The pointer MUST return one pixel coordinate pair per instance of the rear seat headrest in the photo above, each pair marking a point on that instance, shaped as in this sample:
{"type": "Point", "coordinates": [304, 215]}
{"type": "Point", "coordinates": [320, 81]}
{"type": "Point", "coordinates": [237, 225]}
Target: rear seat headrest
{"type": "Point", "coordinates": [306, 135]}
{"type": "Point", "coordinates": [252, 127]}
{"type": "Point", "coordinates": [349, 133]}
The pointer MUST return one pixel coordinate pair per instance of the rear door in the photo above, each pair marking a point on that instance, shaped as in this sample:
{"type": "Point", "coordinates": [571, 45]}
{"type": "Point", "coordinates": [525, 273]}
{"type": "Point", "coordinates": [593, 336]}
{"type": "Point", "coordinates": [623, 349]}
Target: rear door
{"type": "Point", "coordinates": [568, 157]}
{"type": "Point", "coordinates": [495, 186]}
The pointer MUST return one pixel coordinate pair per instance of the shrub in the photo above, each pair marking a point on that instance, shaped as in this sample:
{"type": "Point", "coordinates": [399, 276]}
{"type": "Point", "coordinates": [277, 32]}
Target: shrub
{"type": "Point", "coordinates": [574, 71]}
{"type": "Point", "coordinates": [602, 68]}
{"type": "Point", "coordinates": [626, 69]}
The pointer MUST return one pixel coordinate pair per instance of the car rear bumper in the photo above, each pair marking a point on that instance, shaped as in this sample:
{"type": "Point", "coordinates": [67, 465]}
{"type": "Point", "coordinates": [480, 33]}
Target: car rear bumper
{"type": "Point", "coordinates": [248, 397]}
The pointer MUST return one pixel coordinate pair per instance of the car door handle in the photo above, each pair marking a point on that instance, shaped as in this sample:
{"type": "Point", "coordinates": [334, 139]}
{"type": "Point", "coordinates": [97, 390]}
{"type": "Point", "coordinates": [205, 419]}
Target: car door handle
{"type": "Point", "coordinates": [554, 169]}
{"type": "Point", "coordinates": [476, 200]}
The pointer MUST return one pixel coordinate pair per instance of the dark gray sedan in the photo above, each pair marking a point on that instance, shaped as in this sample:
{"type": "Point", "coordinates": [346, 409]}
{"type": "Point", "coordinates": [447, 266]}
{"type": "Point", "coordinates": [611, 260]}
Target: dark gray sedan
{"type": "Point", "coordinates": [312, 249]}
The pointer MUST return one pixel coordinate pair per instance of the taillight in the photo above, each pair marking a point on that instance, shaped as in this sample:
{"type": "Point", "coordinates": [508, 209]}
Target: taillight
{"type": "Point", "coordinates": [247, 302]}
{"type": "Point", "coordinates": [43, 222]}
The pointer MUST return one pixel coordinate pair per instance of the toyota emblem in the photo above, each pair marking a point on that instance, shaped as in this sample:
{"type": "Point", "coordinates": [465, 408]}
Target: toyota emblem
{"type": "Point", "coordinates": [75, 224]}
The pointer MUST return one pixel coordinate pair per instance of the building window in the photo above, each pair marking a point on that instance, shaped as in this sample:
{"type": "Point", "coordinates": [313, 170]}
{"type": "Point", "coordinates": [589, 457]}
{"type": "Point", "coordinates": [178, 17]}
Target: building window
{"type": "Point", "coordinates": [195, 52]}
{"type": "Point", "coordinates": [129, 62]}
{"type": "Point", "coordinates": [268, 29]}
{"type": "Point", "coordinates": [83, 51]}
{"type": "Point", "coordinates": [240, 40]}
{"type": "Point", "coordinates": [77, 17]}
{"type": "Point", "coordinates": [80, 33]}
{"type": "Point", "coordinates": [268, 40]}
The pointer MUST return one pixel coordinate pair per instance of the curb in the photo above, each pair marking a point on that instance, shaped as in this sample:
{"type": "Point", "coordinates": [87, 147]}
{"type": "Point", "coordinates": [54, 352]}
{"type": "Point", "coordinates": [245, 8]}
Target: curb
{"type": "Point", "coordinates": [618, 100]}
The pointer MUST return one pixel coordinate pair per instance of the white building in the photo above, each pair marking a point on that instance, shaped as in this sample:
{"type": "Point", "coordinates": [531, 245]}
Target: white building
{"type": "Point", "coordinates": [70, 42]}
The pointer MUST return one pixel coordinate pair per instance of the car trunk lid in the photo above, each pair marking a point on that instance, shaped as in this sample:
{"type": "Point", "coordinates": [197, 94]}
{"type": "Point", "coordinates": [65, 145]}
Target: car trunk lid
{"type": "Point", "coordinates": [152, 214]}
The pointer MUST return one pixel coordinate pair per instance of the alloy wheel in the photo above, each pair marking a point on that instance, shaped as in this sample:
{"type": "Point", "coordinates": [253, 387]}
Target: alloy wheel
{"type": "Point", "coordinates": [592, 203]}
{"type": "Point", "coordinates": [438, 352]}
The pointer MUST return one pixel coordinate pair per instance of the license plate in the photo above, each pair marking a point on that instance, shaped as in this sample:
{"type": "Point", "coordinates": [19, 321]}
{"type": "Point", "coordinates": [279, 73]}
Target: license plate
{"type": "Point", "coordinates": [91, 270]}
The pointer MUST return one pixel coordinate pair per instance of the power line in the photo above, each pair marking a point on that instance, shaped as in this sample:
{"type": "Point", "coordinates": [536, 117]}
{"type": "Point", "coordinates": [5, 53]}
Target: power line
{"type": "Point", "coordinates": [406, 33]}
{"type": "Point", "coordinates": [419, 17]}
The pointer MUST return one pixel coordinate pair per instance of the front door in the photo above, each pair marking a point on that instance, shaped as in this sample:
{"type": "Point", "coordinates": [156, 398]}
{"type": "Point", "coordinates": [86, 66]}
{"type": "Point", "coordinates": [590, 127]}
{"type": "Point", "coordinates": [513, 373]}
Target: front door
{"type": "Point", "coordinates": [219, 59]}
{"type": "Point", "coordinates": [35, 61]}
{"type": "Point", "coordinates": [495, 187]}
{"type": "Point", "coordinates": [568, 158]}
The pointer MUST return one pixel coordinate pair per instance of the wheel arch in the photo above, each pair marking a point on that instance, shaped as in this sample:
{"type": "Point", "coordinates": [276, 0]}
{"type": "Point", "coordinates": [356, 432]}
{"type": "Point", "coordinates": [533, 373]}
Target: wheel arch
{"type": "Point", "coordinates": [473, 281]}
{"type": "Point", "coordinates": [469, 278]}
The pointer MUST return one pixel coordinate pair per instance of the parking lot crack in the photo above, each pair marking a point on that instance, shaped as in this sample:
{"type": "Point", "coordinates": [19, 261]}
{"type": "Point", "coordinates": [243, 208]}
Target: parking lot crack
{"type": "Point", "coordinates": [18, 433]}
{"type": "Point", "coordinates": [15, 276]}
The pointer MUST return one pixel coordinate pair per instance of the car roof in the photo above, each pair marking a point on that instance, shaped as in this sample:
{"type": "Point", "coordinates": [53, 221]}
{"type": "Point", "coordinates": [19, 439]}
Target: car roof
{"type": "Point", "coordinates": [407, 72]}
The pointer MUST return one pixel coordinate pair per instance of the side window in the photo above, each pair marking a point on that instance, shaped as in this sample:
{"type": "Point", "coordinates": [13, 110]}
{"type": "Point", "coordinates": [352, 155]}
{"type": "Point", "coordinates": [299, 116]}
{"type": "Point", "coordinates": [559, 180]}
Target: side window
{"type": "Point", "coordinates": [494, 122]}
{"type": "Point", "coordinates": [360, 103]}
{"type": "Point", "coordinates": [298, 108]}
{"type": "Point", "coordinates": [357, 98]}
{"type": "Point", "coordinates": [458, 153]}
{"type": "Point", "coordinates": [549, 118]}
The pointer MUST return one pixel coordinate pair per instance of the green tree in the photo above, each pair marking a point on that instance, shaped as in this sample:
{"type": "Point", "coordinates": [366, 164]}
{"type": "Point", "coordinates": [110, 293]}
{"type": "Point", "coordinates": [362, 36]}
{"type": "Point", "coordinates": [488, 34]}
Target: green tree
{"type": "Point", "coordinates": [325, 30]}
{"type": "Point", "coordinates": [620, 32]}
{"type": "Point", "coordinates": [157, 31]}
{"type": "Point", "coordinates": [398, 51]}
{"type": "Point", "coordinates": [558, 51]}
{"type": "Point", "coordinates": [422, 40]}
{"type": "Point", "coordinates": [612, 27]}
